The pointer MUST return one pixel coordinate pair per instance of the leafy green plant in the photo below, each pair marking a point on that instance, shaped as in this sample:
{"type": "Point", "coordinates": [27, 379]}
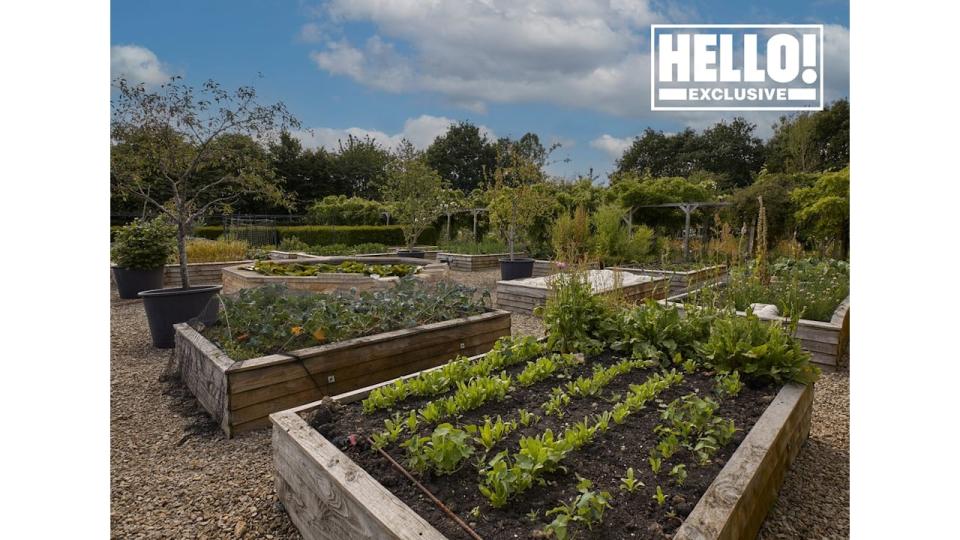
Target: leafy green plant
{"type": "Point", "coordinates": [490, 432]}
{"type": "Point", "coordinates": [761, 351]}
{"type": "Point", "coordinates": [659, 497]}
{"type": "Point", "coordinates": [415, 192]}
{"type": "Point", "coordinates": [657, 331]}
{"type": "Point", "coordinates": [679, 473]}
{"type": "Point", "coordinates": [576, 319]}
{"type": "Point", "coordinates": [655, 464]}
{"type": "Point", "coordinates": [586, 508]}
{"type": "Point", "coordinates": [557, 403]}
{"type": "Point", "coordinates": [629, 483]}
{"type": "Point", "coordinates": [143, 245]}
{"type": "Point", "coordinates": [443, 451]}
{"type": "Point", "coordinates": [266, 320]}
{"type": "Point", "coordinates": [293, 243]}
{"type": "Point", "coordinates": [527, 418]}
{"type": "Point", "coordinates": [727, 384]}
{"type": "Point", "coordinates": [271, 268]}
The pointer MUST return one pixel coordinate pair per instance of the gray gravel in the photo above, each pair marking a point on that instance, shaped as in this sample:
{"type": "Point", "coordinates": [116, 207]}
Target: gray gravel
{"type": "Point", "coordinates": [173, 475]}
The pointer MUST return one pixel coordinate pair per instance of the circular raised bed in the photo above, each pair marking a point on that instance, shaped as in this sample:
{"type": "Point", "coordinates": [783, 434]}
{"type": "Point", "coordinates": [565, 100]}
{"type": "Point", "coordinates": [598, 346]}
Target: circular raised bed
{"type": "Point", "coordinates": [240, 277]}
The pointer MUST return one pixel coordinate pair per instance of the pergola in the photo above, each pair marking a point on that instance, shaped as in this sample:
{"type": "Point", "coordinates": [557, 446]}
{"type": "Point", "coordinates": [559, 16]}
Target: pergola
{"type": "Point", "coordinates": [688, 208]}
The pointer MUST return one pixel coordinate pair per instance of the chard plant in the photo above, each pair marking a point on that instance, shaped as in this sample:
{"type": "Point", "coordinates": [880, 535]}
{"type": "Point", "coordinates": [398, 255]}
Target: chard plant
{"type": "Point", "coordinates": [443, 451]}
{"type": "Point", "coordinates": [586, 508]}
{"type": "Point", "coordinates": [629, 483]}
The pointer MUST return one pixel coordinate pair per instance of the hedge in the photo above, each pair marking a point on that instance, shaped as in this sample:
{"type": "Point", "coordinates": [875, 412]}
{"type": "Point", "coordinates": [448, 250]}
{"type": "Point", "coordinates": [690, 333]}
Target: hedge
{"type": "Point", "coordinates": [323, 235]}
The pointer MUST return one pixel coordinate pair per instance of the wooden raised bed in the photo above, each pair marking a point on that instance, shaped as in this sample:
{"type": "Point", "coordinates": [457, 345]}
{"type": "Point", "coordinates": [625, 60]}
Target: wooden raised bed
{"type": "Point", "coordinates": [240, 394]}
{"type": "Point", "coordinates": [462, 262]}
{"type": "Point", "coordinates": [524, 295]}
{"type": "Point", "coordinates": [827, 342]}
{"type": "Point", "coordinates": [543, 268]}
{"type": "Point", "coordinates": [683, 281]}
{"type": "Point", "coordinates": [239, 277]}
{"type": "Point", "coordinates": [199, 273]}
{"type": "Point", "coordinates": [328, 496]}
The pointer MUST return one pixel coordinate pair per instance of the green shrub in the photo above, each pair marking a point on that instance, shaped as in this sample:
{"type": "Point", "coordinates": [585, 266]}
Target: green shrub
{"type": "Point", "coordinates": [143, 245]}
{"type": "Point", "coordinates": [576, 319]}
{"type": "Point", "coordinates": [293, 243]}
{"type": "Point", "coordinates": [343, 210]}
{"type": "Point", "coordinates": [614, 242]}
{"type": "Point", "coordinates": [341, 249]}
{"type": "Point", "coordinates": [320, 235]}
{"type": "Point", "coordinates": [210, 232]}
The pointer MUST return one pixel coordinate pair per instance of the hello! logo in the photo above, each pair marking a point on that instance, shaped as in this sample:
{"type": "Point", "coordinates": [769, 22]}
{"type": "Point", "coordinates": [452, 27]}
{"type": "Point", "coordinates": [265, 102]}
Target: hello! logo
{"type": "Point", "coordinates": [736, 67]}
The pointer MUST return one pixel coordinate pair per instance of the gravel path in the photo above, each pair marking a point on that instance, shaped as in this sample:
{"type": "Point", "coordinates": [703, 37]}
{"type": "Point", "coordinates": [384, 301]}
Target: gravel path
{"type": "Point", "coordinates": [173, 475]}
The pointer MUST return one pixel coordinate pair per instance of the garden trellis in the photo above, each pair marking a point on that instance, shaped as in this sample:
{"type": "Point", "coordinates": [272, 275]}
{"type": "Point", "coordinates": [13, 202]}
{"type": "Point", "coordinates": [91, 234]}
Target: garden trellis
{"type": "Point", "coordinates": [688, 208]}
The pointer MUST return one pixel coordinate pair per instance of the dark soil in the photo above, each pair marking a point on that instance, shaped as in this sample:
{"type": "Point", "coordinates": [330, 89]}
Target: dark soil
{"type": "Point", "coordinates": [605, 461]}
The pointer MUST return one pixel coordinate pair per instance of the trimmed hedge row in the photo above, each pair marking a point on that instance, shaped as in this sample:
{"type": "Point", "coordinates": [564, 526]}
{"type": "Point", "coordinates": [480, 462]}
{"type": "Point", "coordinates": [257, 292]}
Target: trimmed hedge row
{"type": "Point", "coordinates": [323, 235]}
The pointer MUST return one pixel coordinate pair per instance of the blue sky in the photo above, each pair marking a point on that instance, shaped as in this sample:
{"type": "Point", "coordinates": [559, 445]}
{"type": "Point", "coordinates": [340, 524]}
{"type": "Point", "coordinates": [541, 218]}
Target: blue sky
{"type": "Point", "coordinates": [575, 73]}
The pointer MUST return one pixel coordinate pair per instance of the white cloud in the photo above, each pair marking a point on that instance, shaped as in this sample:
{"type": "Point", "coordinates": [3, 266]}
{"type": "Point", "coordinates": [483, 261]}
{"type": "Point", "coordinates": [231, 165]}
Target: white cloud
{"type": "Point", "coordinates": [591, 54]}
{"type": "Point", "coordinates": [421, 131]}
{"type": "Point", "coordinates": [610, 145]}
{"type": "Point", "coordinates": [137, 64]}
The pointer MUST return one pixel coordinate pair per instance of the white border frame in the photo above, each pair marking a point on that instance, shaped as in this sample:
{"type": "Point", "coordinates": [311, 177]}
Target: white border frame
{"type": "Point", "coordinates": [653, 55]}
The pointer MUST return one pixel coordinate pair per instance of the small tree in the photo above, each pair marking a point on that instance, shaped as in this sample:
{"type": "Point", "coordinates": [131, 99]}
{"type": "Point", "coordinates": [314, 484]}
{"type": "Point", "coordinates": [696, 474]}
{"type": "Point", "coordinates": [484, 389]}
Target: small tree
{"type": "Point", "coordinates": [516, 203]}
{"type": "Point", "coordinates": [203, 147]}
{"type": "Point", "coordinates": [415, 193]}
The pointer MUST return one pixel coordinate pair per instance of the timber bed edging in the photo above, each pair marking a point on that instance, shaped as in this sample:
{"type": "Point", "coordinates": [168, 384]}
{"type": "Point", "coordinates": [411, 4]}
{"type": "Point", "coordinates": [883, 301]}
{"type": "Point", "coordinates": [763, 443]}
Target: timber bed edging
{"type": "Point", "coordinates": [307, 466]}
{"type": "Point", "coordinates": [240, 395]}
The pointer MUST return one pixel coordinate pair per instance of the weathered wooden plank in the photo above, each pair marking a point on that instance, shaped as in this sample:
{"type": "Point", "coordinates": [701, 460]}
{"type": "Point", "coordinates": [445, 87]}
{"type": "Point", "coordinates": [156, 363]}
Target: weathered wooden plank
{"type": "Point", "coordinates": [738, 499]}
{"type": "Point", "coordinates": [339, 500]}
{"type": "Point", "coordinates": [319, 360]}
{"type": "Point", "coordinates": [305, 377]}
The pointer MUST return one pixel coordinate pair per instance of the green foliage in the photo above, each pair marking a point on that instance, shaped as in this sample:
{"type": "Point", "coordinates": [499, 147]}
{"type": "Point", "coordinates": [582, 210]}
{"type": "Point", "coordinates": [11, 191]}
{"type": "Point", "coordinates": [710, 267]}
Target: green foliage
{"type": "Point", "coordinates": [804, 288]}
{"type": "Point", "coordinates": [143, 245]}
{"type": "Point", "coordinates": [586, 508]}
{"type": "Point", "coordinates": [816, 141]}
{"type": "Point", "coordinates": [343, 210]}
{"type": "Point", "coordinates": [761, 351]}
{"type": "Point", "coordinates": [463, 155]}
{"type": "Point", "coordinates": [679, 473]}
{"type": "Point", "coordinates": [544, 367]}
{"type": "Point", "coordinates": [415, 193]}
{"type": "Point", "coordinates": [341, 249]}
{"type": "Point", "coordinates": [293, 243]}
{"type": "Point", "coordinates": [516, 210]}
{"type": "Point", "coordinates": [202, 250]}
{"type": "Point", "coordinates": [728, 150]}
{"type": "Point", "coordinates": [506, 352]}
{"type": "Point", "coordinates": [491, 432]}
{"type": "Point", "coordinates": [824, 207]}
{"type": "Point", "coordinates": [658, 331]}
{"type": "Point", "coordinates": [614, 242]}
{"type": "Point", "coordinates": [689, 422]}
{"type": "Point", "coordinates": [556, 404]}
{"type": "Point", "coordinates": [570, 236]}
{"type": "Point", "coordinates": [728, 384]}
{"type": "Point", "coordinates": [775, 188]}
{"type": "Point", "coordinates": [271, 268]}
{"type": "Point", "coordinates": [267, 320]}
{"type": "Point", "coordinates": [484, 246]}
{"type": "Point", "coordinates": [629, 483]}
{"type": "Point", "coordinates": [322, 235]}
{"type": "Point", "coordinates": [576, 319]}
{"type": "Point", "coordinates": [443, 451]}
{"type": "Point", "coordinates": [660, 497]}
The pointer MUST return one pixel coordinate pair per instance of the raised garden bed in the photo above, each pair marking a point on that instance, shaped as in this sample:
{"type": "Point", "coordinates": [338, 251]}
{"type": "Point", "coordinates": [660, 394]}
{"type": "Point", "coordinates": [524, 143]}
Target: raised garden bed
{"type": "Point", "coordinates": [543, 268]}
{"type": "Point", "coordinates": [827, 342]}
{"type": "Point", "coordinates": [240, 277]}
{"type": "Point", "coordinates": [333, 485]}
{"type": "Point", "coordinates": [462, 262]}
{"type": "Point", "coordinates": [198, 273]}
{"type": "Point", "coordinates": [682, 281]}
{"type": "Point", "coordinates": [524, 295]}
{"type": "Point", "coordinates": [240, 394]}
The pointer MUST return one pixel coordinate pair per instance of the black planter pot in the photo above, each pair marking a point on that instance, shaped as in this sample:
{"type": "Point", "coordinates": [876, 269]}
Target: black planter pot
{"type": "Point", "coordinates": [131, 281]}
{"type": "Point", "coordinates": [516, 268]}
{"type": "Point", "coordinates": [416, 254]}
{"type": "Point", "coordinates": [167, 307]}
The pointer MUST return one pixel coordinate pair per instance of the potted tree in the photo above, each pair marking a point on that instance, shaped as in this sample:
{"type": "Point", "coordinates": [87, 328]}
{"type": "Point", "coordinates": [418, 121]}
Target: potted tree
{"type": "Point", "coordinates": [415, 194]}
{"type": "Point", "coordinates": [190, 153]}
{"type": "Point", "coordinates": [139, 252]}
{"type": "Point", "coordinates": [515, 206]}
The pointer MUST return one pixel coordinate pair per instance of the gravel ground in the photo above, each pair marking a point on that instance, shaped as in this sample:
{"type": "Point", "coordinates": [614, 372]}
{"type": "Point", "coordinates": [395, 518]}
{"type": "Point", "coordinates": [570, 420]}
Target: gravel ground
{"type": "Point", "coordinates": [173, 475]}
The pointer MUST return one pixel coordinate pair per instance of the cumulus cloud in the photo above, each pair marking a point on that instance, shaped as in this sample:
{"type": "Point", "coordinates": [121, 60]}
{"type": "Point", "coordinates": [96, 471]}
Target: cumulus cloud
{"type": "Point", "coordinates": [610, 145]}
{"type": "Point", "coordinates": [585, 54]}
{"type": "Point", "coordinates": [137, 64]}
{"type": "Point", "coordinates": [421, 131]}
